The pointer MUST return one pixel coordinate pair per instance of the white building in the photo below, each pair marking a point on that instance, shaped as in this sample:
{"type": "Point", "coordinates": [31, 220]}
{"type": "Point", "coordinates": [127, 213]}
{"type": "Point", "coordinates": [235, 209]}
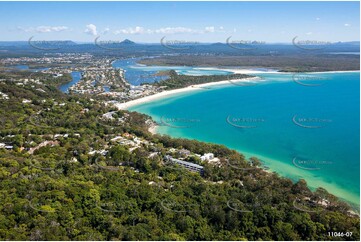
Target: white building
{"type": "Point", "coordinates": [207, 156]}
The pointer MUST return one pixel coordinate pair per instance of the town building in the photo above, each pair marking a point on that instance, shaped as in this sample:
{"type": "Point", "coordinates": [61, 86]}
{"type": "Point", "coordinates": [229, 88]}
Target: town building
{"type": "Point", "coordinates": [188, 165]}
{"type": "Point", "coordinates": [207, 156]}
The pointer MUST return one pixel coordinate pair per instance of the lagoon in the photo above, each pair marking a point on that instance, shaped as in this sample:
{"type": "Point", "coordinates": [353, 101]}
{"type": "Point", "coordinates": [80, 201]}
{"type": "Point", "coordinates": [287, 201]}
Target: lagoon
{"type": "Point", "coordinates": [136, 73]}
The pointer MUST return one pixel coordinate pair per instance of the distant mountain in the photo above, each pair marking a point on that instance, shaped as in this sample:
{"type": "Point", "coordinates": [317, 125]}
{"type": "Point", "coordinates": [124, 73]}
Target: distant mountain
{"type": "Point", "coordinates": [66, 42]}
{"type": "Point", "coordinates": [218, 44]}
{"type": "Point", "coordinates": [127, 42]}
{"type": "Point", "coordinates": [13, 43]}
{"type": "Point", "coordinates": [348, 43]}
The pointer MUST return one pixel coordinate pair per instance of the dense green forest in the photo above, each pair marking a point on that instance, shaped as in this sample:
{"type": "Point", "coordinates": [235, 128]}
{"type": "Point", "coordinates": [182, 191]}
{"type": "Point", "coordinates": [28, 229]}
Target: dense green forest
{"type": "Point", "coordinates": [65, 177]}
{"type": "Point", "coordinates": [287, 63]}
{"type": "Point", "coordinates": [175, 80]}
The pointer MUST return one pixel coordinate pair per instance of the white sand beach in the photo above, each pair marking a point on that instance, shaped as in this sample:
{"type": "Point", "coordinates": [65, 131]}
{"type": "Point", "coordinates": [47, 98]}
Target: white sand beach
{"type": "Point", "coordinates": [239, 71]}
{"type": "Point", "coordinates": [198, 87]}
{"type": "Point", "coordinates": [153, 129]}
{"type": "Point", "coordinates": [325, 72]}
{"type": "Point", "coordinates": [250, 71]}
{"type": "Point", "coordinates": [271, 71]}
{"type": "Point", "coordinates": [142, 100]}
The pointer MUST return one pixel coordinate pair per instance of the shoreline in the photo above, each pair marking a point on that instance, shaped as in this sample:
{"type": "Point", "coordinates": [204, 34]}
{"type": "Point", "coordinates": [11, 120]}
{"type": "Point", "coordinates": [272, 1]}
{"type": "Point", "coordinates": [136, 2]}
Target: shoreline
{"type": "Point", "coordinates": [153, 129]}
{"type": "Point", "coordinates": [312, 181]}
{"type": "Point", "coordinates": [160, 95]}
{"type": "Point", "coordinates": [250, 72]}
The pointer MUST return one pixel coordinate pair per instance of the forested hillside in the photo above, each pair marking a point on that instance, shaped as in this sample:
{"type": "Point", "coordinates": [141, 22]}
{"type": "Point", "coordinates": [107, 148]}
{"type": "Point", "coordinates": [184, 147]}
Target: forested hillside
{"type": "Point", "coordinates": [69, 172]}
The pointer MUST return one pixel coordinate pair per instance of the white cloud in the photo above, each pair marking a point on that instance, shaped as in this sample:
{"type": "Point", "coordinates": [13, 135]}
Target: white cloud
{"type": "Point", "coordinates": [48, 29]}
{"type": "Point", "coordinates": [136, 30]}
{"type": "Point", "coordinates": [174, 30]}
{"type": "Point", "coordinates": [183, 30]}
{"type": "Point", "coordinates": [91, 29]}
{"type": "Point", "coordinates": [44, 29]}
{"type": "Point", "coordinates": [106, 30]}
{"type": "Point", "coordinates": [309, 33]}
{"type": "Point", "coordinates": [221, 29]}
{"type": "Point", "coordinates": [347, 25]}
{"type": "Point", "coordinates": [23, 29]}
{"type": "Point", "coordinates": [166, 30]}
{"type": "Point", "coordinates": [318, 19]}
{"type": "Point", "coordinates": [209, 29]}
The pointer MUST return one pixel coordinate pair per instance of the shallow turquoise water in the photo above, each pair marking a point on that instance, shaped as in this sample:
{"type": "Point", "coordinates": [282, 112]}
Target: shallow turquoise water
{"type": "Point", "coordinates": [136, 73]}
{"type": "Point", "coordinates": [299, 131]}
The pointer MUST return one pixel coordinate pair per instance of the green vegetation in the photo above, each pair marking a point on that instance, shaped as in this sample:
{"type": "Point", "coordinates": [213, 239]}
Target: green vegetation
{"type": "Point", "coordinates": [47, 79]}
{"type": "Point", "coordinates": [287, 63]}
{"type": "Point", "coordinates": [62, 180]}
{"type": "Point", "coordinates": [179, 81]}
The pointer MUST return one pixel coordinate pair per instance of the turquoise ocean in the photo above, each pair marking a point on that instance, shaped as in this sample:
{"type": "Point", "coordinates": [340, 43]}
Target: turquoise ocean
{"type": "Point", "coordinates": [302, 127]}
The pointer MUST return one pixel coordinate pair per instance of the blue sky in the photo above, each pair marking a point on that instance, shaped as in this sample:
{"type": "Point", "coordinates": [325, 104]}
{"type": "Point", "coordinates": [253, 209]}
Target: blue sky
{"type": "Point", "coordinates": [184, 21]}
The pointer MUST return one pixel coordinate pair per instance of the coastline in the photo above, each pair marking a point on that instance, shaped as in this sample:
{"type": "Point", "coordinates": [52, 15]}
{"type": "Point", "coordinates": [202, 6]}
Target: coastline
{"type": "Point", "coordinates": [153, 129]}
{"type": "Point", "coordinates": [312, 181]}
{"type": "Point", "coordinates": [250, 72]}
{"type": "Point", "coordinates": [146, 99]}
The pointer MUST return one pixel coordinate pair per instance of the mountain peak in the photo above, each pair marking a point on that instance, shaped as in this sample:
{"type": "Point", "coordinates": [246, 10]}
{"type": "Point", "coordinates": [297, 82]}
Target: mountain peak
{"type": "Point", "coordinates": [127, 41]}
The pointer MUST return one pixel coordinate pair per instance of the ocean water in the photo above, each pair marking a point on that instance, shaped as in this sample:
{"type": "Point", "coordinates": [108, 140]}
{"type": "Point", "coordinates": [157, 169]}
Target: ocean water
{"type": "Point", "coordinates": [300, 126]}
